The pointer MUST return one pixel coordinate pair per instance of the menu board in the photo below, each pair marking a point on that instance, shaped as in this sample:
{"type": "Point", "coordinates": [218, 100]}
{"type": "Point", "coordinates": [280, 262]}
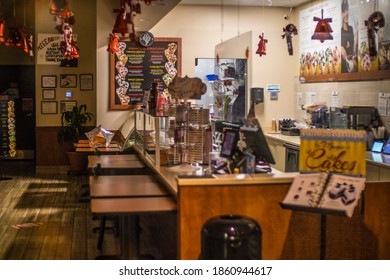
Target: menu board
{"type": "Point", "coordinates": [134, 68]}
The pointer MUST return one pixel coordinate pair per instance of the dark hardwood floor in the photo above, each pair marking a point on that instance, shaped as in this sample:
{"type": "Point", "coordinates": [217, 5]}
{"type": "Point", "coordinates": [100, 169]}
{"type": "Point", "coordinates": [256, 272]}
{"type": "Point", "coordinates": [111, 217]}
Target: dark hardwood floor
{"type": "Point", "coordinates": [41, 218]}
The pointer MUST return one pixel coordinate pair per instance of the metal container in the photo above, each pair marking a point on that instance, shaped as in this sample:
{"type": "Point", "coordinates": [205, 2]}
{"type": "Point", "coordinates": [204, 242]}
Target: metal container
{"type": "Point", "coordinates": [231, 237]}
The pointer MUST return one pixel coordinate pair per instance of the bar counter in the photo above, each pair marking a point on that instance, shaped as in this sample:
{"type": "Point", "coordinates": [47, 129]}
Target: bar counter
{"type": "Point", "coordinates": [286, 234]}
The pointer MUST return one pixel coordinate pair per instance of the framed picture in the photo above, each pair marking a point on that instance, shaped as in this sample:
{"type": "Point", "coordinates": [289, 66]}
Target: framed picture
{"type": "Point", "coordinates": [86, 82]}
{"type": "Point", "coordinates": [67, 105]}
{"type": "Point", "coordinates": [49, 81]}
{"type": "Point", "coordinates": [68, 80]}
{"type": "Point", "coordinates": [49, 107]}
{"type": "Point", "coordinates": [48, 94]}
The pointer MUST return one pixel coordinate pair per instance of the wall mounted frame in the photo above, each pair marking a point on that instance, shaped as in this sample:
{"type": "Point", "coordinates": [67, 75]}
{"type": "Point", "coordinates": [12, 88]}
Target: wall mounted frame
{"type": "Point", "coordinates": [48, 81]}
{"type": "Point", "coordinates": [49, 107]}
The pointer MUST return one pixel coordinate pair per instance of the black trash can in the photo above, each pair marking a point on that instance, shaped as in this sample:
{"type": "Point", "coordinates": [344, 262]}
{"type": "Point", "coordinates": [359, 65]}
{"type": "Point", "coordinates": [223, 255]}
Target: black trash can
{"type": "Point", "coordinates": [231, 237]}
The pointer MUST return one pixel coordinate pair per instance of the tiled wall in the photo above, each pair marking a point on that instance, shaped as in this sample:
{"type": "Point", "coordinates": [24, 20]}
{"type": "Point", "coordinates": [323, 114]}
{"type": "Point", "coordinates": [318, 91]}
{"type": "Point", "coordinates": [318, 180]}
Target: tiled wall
{"type": "Point", "coordinates": [349, 94]}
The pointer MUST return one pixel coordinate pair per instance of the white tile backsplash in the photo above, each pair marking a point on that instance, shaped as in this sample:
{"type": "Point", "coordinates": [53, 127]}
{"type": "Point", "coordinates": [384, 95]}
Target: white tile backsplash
{"type": "Point", "coordinates": [350, 94]}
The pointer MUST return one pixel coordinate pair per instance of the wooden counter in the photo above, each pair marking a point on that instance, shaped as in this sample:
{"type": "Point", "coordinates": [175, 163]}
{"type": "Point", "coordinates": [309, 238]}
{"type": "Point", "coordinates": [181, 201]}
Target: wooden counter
{"type": "Point", "coordinates": [286, 234]}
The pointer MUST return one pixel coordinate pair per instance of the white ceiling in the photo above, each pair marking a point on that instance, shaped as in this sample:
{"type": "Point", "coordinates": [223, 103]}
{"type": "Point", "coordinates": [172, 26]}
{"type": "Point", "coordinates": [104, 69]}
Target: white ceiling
{"type": "Point", "coordinates": [274, 3]}
{"type": "Point", "coordinates": [151, 15]}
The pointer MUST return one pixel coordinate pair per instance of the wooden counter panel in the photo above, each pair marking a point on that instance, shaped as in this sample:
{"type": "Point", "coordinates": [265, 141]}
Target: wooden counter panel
{"type": "Point", "coordinates": [289, 234]}
{"type": "Point", "coordinates": [280, 240]}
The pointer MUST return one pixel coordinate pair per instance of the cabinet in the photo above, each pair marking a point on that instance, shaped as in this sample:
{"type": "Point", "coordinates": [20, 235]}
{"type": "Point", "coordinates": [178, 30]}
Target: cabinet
{"type": "Point", "coordinates": [377, 173]}
{"type": "Point", "coordinates": [278, 152]}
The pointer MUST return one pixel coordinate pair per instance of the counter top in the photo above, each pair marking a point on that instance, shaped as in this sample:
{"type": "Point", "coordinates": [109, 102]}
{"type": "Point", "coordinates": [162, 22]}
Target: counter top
{"type": "Point", "coordinates": [293, 140]}
{"type": "Point", "coordinates": [378, 159]}
{"type": "Point", "coordinates": [168, 176]}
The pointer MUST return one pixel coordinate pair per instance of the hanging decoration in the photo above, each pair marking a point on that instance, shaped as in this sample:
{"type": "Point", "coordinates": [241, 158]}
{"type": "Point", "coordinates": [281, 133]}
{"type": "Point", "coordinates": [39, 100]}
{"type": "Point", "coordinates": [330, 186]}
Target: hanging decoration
{"type": "Point", "coordinates": [68, 47]}
{"type": "Point", "coordinates": [261, 50]}
{"type": "Point", "coordinates": [113, 46]}
{"type": "Point", "coordinates": [14, 38]}
{"type": "Point", "coordinates": [62, 15]}
{"type": "Point", "coordinates": [374, 22]}
{"type": "Point", "coordinates": [2, 24]}
{"type": "Point", "coordinates": [65, 19]}
{"type": "Point", "coordinates": [323, 29]}
{"type": "Point", "coordinates": [124, 22]}
{"type": "Point", "coordinates": [247, 53]}
{"type": "Point", "coordinates": [289, 30]}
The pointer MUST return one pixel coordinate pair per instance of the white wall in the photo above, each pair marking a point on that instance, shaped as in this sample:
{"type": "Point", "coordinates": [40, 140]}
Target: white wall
{"type": "Point", "coordinates": [85, 28]}
{"type": "Point", "coordinates": [201, 29]}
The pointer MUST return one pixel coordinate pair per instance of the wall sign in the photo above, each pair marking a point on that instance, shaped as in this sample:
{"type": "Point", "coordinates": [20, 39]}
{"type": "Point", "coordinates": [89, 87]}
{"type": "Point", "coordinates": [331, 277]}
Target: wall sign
{"type": "Point", "coordinates": [135, 67]}
{"type": "Point", "coordinates": [324, 61]}
{"type": "Point", "coordinates": [49, 48]}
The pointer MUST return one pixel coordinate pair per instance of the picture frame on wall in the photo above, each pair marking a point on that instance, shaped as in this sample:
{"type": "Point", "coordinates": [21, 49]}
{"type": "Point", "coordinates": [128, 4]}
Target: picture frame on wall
{"type": "Point", "coordinates": [48, 94]}
{"type": "Point", "coordinates": [86, 82]}
{"type": "Point", "coordinates": [49, 107]}
{"type": "Point", "coordinates": [48, 81]}
{"type": "Point", "coordinates": [67, 105]}
{"type": "Point", "coordinates": [68, 80]}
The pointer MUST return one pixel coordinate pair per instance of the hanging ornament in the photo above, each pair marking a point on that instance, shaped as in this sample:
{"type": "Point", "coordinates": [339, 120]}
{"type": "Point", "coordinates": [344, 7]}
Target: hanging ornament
{"type": "Point", "coordinates": [289, 30]}
{"type": "Point", "coordinates": [261, 50]}
{"type": "Point", "coordinates": [62, 15]}
{"type": "Point", "coordinates": [14, 38]}
{"type": "Point", "coordinates": [131, 11]}
{"type": "Point", "coordinates": [374, 22]}
{"type": "Point", "coordinates": [323, 29]}
{"type": "Point", "coordinates": [247, 53]}
{"type": "Point", "coordinates": [120, 22]}
{"type": "Point", "coordinates": [30, 44]}
{"type": "Point", "coordinates": [68, 46]}
{"type": "Point", "coordinates": [2, 24]}
{"type": "Point", "coordinates": [113, 46]}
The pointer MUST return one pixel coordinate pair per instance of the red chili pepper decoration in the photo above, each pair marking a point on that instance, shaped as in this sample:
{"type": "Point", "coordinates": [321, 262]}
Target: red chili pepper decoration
{"type": "Point", "coordinates": [261, 50]}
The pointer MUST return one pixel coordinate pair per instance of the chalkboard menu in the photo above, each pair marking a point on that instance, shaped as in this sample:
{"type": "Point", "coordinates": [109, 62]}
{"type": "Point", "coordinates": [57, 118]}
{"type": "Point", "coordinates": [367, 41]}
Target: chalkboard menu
{"type": "Point", "coordinates": [134, 68]}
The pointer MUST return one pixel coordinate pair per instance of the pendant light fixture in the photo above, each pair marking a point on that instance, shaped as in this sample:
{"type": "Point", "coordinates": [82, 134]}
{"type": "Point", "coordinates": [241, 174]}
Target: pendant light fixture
{"type": "Point", "coordinates": [323, 29]}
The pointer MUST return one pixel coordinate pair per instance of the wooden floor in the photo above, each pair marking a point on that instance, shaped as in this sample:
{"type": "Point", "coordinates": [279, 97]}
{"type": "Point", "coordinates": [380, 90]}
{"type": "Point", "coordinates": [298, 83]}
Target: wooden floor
{"type": "Point", "coordinates": [41, 218]}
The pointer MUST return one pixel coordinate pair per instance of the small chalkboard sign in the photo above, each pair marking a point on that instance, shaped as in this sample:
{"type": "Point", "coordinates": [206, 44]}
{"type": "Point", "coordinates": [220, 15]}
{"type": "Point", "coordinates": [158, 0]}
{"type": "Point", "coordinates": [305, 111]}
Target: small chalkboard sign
{"type": "Point", "coordinates": [135, 67]}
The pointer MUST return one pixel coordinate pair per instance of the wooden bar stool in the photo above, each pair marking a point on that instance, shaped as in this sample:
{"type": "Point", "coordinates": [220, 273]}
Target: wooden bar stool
{"type": "Point", "coordinates": [122, 187]}
{"type": "Point", "coordinates": [129, 210]}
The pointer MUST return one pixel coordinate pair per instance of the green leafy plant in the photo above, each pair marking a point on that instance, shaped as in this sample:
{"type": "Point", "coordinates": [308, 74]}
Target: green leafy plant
{"type": "Point", "coordinates": [73, 123]}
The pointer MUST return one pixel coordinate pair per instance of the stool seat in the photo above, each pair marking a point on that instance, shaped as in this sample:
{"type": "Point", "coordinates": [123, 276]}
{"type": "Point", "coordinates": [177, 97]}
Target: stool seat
{"type": "Point", "coordinates": [132, 205]}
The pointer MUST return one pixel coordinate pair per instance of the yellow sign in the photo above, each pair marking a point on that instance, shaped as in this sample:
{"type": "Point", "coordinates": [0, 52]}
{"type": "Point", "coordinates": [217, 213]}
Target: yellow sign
{"type": "Point", "coordinates": [336, 151]}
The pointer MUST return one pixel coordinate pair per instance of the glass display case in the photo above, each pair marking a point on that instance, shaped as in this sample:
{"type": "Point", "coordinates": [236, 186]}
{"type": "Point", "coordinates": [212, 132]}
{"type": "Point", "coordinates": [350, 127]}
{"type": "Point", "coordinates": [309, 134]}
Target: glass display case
{"type": "Point", "coordinates": [152, 136]}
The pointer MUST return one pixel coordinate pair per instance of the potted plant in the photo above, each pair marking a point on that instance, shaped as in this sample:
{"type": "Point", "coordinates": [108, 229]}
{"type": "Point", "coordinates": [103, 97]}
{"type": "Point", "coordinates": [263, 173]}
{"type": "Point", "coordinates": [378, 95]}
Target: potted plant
{"type": "Point", "coordinates": [73, 127]}
{"type": "Point", "coordinates": [73, 124]}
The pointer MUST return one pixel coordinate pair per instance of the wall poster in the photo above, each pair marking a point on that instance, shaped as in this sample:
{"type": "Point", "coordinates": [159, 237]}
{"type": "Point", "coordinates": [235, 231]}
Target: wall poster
{"type": "Point", "coordinates": [346, 57]}
{"type": "Point", "coordinates": [135, 67]}
{"type": "Point", "coordinates": [49, 49]}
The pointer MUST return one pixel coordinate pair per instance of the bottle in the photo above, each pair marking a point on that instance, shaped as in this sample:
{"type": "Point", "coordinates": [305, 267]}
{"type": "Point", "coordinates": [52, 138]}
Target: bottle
{"type": "Point", "coordinates": [211, 112]}
{"type": "Point", "coordinates": [152, 103]}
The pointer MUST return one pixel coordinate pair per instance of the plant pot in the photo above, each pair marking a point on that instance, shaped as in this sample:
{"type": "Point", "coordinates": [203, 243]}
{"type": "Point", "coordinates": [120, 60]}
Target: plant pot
{"type": "Point", "coordinates": [78, 163]}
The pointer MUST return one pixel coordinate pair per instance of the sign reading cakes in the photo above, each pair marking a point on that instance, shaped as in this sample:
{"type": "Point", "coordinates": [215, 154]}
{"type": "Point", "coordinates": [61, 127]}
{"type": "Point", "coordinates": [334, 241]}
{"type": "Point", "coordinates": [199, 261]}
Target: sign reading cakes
{"type": "Point", "coordinates": [335, 150]}
{"type": "Point", "coordinates": [135, 67]}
